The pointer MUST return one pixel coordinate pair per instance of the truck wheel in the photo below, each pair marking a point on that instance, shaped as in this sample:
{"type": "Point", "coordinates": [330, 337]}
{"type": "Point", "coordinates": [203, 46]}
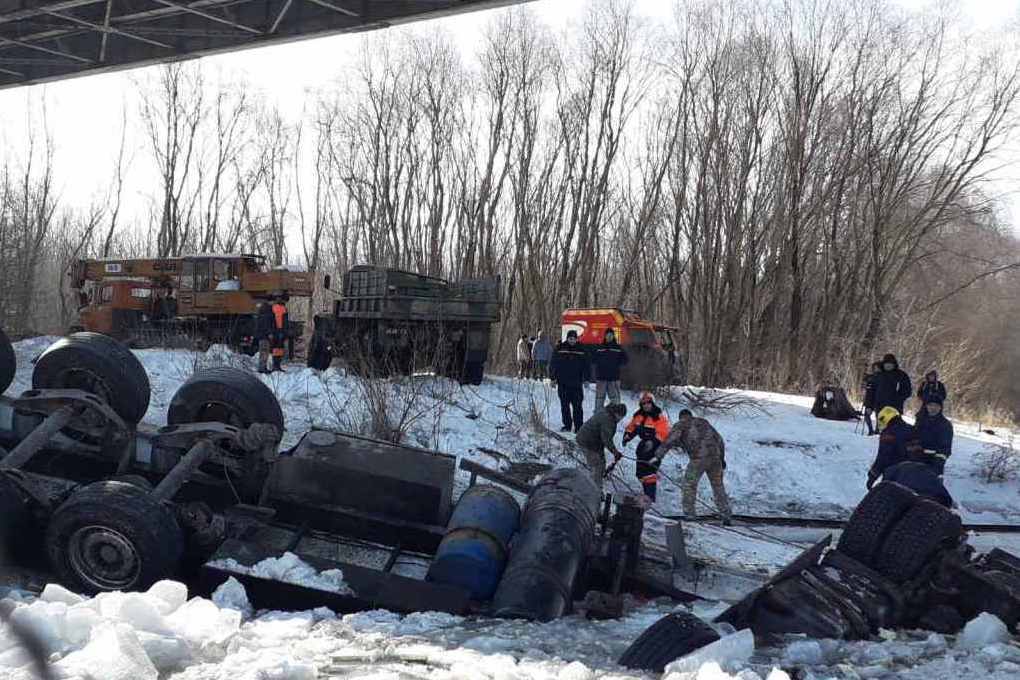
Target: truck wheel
{"type": "Point", "coordinates": [113, 536]}
{"type": "Point", "coordinates": [225, 394]}
{"type": "Point", "coordinates": [914, 540]}
{"type": "Point", "coordinates": [873, 519]}
{"type": "Point", "coordinates": [97, 364]}
{"type": "Point", "coordinates": [319, 355]}
{"type": "Point", "coordinates": [8, 362]}
{"type": "Point", "coordinates": [666, 640]}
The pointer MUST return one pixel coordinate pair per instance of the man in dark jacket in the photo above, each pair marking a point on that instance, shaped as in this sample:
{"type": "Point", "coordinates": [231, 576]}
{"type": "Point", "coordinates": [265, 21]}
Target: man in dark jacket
{"type": "Point", "coordinates": [930, 387]}
{"type": "Point", "coordinates": [569, 369]}
{"type": "Point", "coordinates": [892, 385]}
{"type": "Point", "coordinates": [936, 435]}
{"type": "Point", "coordinates": [609, 359]}
{"type": "Point", "coordinates": [920, 479]}
{"type": "Point", "coordinates": [898, 443]}
{"type": "Point", "coordinates": [264, 325]}
{"type": "Point", "coordinates": [596, 435]}
{"type": "Point", "coordinates": [831, 404]}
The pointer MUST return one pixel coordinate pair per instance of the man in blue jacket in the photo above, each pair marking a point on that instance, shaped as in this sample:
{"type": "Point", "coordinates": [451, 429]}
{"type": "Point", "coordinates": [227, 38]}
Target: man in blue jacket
{"type": "Point", "coordinates": [569, 370]}
{"type": "Point", "coordinates": [891, 385]}
{"type": "Point", "coordinates": [609, 358]}
{"type": "Point", "coordinates": [921, 479]}
{"type": "Point", "coordinates": [897, 443]}
{"type": "Point", "coordinates": [936, 434]}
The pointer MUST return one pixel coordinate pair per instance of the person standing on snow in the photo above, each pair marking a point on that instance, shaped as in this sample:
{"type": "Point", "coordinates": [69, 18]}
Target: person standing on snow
{"type": "Point", "coordinates": [281, 321]}
{"type": "Point", "coordinates": [936, 434]}
{"type": "Point", "coordinates": [707, 452]}
{"type": "Point", "coordinates": [541, 352]}
{"type": "Point", "coordinates": [596, 435]}
{"type": "Point", "coordinates": [892, 385]}
{"type": "Point", "coordinates": [868, 386]}
{"type": "Point", "coordinates": [651, 426]}
{"type": "Point", "coordinates": [523, 357]}
{"type": "Point", "coordinates": [609, 359]}
{"type": "Point", "coordinates": [897, 443]}
{"type": "Point", "coordinates": [570, 369]}
{"type": "Point", "coordinates": [930, 387]}
{"type": "Point", "coordinates": [264, 324]}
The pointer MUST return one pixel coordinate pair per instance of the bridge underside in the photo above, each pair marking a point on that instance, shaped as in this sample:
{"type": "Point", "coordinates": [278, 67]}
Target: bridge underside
{"type": "Point", "coordinates": [42, 40]}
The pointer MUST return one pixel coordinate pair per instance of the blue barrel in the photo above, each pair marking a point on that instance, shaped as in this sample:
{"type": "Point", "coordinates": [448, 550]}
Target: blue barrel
{"type": "Point", "coordinates": [473, 553]}
{"type": "Point", "coordinates": [551, 548]}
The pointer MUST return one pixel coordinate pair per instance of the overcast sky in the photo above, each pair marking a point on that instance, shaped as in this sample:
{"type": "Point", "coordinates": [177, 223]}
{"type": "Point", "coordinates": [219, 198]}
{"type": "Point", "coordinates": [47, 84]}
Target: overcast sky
{"type": "Point", "coordinates": [84, 114]}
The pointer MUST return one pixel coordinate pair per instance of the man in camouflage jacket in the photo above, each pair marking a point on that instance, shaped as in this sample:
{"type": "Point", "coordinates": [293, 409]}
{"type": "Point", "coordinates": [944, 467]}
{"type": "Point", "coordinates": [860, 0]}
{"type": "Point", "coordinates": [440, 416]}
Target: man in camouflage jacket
{"type": "Point", "coordinates": [707, 452]}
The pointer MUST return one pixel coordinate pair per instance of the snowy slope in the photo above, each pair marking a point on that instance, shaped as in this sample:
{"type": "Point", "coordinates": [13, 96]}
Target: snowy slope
{"type": "Point", "coordinates": [783, 463]}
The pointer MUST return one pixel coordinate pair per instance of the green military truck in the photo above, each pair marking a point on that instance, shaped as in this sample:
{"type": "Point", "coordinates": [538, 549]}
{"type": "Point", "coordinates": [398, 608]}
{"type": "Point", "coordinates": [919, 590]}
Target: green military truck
{"type": "Point", "coordinates": [389, 321]}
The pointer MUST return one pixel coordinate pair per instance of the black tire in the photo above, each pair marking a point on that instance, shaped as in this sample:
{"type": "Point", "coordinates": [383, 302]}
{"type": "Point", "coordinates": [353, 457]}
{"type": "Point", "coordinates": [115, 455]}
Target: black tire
{"type": "Point", "coordinates": [8, 362]}
{"type": "Point", "coordinates": [225, 394]}
{"type": "Point", "coordinates": [319, 354]}
{"type": "Point", "coordinates": [873, 519]}
{"type": "Point", "coordinates": [97, 364]}
{"type": "Point", "coordinates": [113, 536]}
{"type": "Point", "coordinates": [671, 637]}
{"type": "Point", "coordinates": [914, 540]}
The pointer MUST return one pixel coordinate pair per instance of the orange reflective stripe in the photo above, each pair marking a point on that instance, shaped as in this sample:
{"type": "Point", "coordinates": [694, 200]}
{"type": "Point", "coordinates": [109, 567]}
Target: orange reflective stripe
{"type": "Point", "coordinates": [650, 479]}
{"type": "Point", "coordinates": [279, 311]}
{"type": "Point", "coordinates": [277, 351]}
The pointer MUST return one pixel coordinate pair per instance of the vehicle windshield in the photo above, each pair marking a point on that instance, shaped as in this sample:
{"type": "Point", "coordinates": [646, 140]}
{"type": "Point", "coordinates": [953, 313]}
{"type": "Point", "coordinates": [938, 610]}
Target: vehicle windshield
{"type": "Point", "coordinates": [641, 336]}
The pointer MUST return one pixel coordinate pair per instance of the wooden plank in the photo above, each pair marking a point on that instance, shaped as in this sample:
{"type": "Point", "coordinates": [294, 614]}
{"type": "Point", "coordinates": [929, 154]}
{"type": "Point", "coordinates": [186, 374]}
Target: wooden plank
{"type": "Point", "coordinates": [495, 476]}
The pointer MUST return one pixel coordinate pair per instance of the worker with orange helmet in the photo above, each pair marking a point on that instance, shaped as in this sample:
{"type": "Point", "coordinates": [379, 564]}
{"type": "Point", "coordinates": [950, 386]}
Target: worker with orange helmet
{"type": "Point", "coordinates": [651, 426]}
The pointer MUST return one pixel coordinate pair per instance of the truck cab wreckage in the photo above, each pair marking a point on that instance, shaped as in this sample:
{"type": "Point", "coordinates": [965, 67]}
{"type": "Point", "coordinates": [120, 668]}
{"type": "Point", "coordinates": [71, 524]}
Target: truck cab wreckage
{"type": "Point", "coordinates": [114, 504]}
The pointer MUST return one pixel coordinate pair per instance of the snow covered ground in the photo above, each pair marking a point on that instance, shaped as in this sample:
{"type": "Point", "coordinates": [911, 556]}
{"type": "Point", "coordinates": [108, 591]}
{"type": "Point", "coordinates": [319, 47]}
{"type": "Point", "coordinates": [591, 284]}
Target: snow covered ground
{"type": "Point", "coordinates": [781, 463]}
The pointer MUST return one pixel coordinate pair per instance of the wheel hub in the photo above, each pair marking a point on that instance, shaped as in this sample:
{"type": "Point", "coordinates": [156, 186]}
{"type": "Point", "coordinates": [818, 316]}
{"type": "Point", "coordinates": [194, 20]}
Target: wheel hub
{"type": "Point", "coordinates": [104, 558]}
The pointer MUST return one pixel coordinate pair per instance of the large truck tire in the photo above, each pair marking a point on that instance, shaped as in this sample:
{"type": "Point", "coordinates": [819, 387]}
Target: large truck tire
{"type": "Point", "coordinates": [873, 519]}
{"type": "Point", "coordinates": [8, 362]}
{"type": "Point", "coordinates": [671, 637]}
{"type": "Point", "coordinates": [225, 394]}
{"type": "Point", "coordinates": [97, 364]}
{"type": "Point", "coordinates": [113, 536]}
{"type": "Point", "coordinates": [915, 539]}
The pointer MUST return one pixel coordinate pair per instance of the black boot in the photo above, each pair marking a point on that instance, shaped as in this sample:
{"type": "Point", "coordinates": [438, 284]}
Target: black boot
{"type": "Point", "coordinates": [565, 428]}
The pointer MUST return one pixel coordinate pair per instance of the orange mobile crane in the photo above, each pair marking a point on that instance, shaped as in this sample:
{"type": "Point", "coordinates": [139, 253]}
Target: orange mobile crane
{"type": "Point", "coordinates": [180, 301]}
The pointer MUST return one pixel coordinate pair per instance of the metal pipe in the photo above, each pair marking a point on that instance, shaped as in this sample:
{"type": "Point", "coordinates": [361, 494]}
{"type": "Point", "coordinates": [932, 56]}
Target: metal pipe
{"type": "Point", "coordinates": [175, 479]}
{"type": "Point", "coordinates": [38, 438]}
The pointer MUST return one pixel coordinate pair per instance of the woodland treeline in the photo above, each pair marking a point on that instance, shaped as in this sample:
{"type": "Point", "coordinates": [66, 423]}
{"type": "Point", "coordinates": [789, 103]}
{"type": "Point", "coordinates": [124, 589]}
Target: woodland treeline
{"type": "Point", "coordinates": [798, 186]}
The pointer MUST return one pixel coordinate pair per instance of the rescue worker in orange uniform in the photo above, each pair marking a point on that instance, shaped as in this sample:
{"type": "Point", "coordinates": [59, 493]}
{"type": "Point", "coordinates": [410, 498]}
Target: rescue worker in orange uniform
{"type": "Point", "coordinates": [650, 425]}
{"type": "Point", "coordinates": [280, 322]}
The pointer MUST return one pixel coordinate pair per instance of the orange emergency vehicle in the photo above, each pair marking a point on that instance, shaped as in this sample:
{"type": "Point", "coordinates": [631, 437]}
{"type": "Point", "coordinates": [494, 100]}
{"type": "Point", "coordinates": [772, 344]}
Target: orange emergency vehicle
{"type": "Point", "coordinates": [651, 348]}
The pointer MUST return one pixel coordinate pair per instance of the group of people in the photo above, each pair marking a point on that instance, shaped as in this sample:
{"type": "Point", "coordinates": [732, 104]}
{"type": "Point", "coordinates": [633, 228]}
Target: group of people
{"type": "Point", "coordinates": [650, 426]}
{"type": "Point", "coordinates": [912, 455]}
{"type": "Point", "coordinates": [271, 322]}
{"type": "Point", "coordinates": [533, 356]}
{"type": "Point", "coordinates": [573, 365]}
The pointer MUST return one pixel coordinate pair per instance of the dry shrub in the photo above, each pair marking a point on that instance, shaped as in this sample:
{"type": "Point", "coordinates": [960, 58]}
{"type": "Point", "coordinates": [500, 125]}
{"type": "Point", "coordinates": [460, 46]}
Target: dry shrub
{"type": "Point", "coordinates": [998, 462]}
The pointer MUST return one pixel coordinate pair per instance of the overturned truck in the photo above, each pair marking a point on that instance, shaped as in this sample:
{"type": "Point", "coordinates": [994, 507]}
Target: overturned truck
{"type": "Point", "coordinates": [109, 503]}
